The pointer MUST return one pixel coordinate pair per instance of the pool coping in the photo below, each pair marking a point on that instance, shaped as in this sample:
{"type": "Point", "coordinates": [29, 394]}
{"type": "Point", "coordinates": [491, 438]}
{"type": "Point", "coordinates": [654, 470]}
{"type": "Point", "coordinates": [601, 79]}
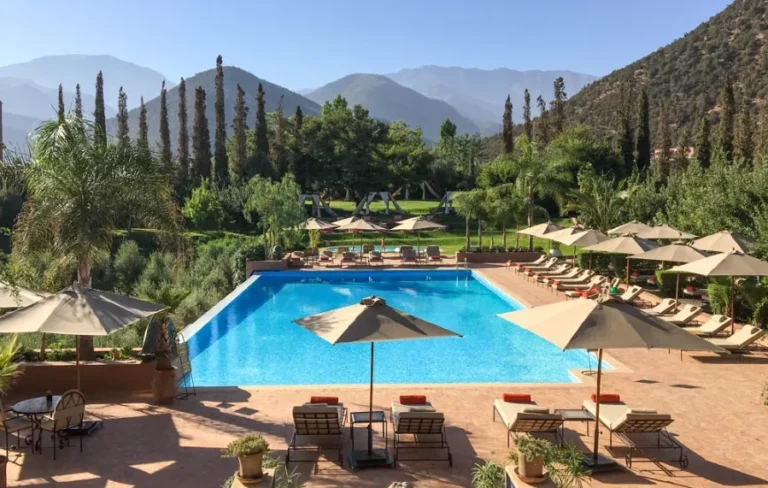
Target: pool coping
{"type": "Point", "coordinates": [510, 298]}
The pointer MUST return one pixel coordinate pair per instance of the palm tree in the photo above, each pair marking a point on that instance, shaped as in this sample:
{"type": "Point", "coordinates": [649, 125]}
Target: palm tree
{"type": "Point", "coordinates": [537, 176]}
{"type": "Point", "coordinates": [506, 207]}
{"type": "Point", "coordinates": [599, 201]}
{"type": "Point", "coordinates": [471, 205]}
{"type": "Point", "coordinates": [79, 190]}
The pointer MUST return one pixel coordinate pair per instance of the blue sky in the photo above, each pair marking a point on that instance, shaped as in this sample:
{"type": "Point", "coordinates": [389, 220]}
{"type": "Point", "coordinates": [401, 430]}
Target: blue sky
{"type": "Point", "coordinates": [306, 43]}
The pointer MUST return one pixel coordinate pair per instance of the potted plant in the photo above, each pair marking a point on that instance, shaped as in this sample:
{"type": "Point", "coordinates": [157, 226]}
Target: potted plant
{"type": "Point", "coordinates": [488, 475]}
{"type": "Point", "coordinates": [249, 451]}
{"type": "Point", "coordinates": [563, 464]}
{"type": "Point", "coordinates": [554, 251]}
{"type": "Point", "coordinates": [8, 370]}
{"type": "Point", "coordinates": [164, 382]}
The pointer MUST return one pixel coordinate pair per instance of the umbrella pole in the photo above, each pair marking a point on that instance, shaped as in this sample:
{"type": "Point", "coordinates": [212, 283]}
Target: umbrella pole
{"type": "Point", "coordinates": [733, 303]}
{"type": "Point", "coordinates": [627, 258]}
{"type": "Point", "coordinates": [590, 261]}
{"type": "Point", "coordinates": [677, 290]}
{"type": "Point", "coordinates": [370, 410]}
{"type": "Point", "coordinates": [77, 360]}
{"type": "Point", "coordinates": [597, 406]}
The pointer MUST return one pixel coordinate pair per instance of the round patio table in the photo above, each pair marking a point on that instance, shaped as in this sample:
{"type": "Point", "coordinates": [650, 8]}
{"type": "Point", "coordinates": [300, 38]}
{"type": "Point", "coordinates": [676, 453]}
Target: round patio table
{"type": "Point", "coordinates": [35, 409]}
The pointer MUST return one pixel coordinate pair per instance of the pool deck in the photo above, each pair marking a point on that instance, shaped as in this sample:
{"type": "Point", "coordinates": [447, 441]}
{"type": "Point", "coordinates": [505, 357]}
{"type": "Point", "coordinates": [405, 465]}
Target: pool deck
{"type": "Point", "coordinates": [717, 404]}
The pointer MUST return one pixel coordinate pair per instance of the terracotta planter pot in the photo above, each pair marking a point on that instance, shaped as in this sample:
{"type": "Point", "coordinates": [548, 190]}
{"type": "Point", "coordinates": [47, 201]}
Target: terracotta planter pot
{"type": "Point", "coordinates": [164, 386]}
{"type": "Point", "coordinates": [531, 469]}
{"type": "Point", "coordinates": [250, 466]}
{"type": "Point", "coordinates": [3, 475]}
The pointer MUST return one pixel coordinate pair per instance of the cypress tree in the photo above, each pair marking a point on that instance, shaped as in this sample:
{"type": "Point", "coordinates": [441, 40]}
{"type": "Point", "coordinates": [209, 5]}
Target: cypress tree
{"type": "Point", "coordinates": [99, 115]}
{"type": "Point", "coordinates": [727, 117]}
{"type": "Point", "coordinates": [60, 111]}
{"type": "Point", "coordinates": [703, 142]}
{"type": "Point", "coordinates": [143, 140]}
{"type": "Point", "coordinates": [220, 164]}
{"type": "Point", "coordinates": [643, 132]}
{"type": "Point", "coordinates": [663, 142]}
{"type": "Point", "coordinates": [296, 163]}
{"type": "Point", "coordinates": [761, 149]}
{"type": "Point", "coordinates": [278, 146]}
{"type": "Point", "coordinates": [543, 124]}
{"type": "Point", "coordinates": [78, 102]}
{"type": "Point", "coordinates": [239, 139]}
{"type": "Point", "coordinates": [527, 122]}
{"type": "Point", "coordinates": [624, 137]}
{"type": "Point", "coordinates": [558, 107]}
{"type": "Point", "coordinates": [182, 171]}
{"type": "Point", "coordinates": [201, 141]}
{"type": "Point", "coordinates": [261, 138]}
{"type": "Point", "coordinates": [166, 157]}
{"type": "Point", "coordinates": [507, 128]}
{"type": "Point", "coordinates": [744, 141]}
{"type": "Point", "coordinates": [681, 154]}
{"type": "Point", "coordinates": [122, 118]}
{"type": "Point", "coordinates": [298, 119]}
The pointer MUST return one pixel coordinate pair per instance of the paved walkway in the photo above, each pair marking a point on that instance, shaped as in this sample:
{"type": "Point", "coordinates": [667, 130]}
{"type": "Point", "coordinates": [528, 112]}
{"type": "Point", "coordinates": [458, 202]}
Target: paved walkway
{"type": "Point", "coordinates": [717, 404]}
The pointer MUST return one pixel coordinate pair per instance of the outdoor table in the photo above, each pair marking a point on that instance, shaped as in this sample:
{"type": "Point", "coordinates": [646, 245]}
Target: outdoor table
{"type": "Point", "coordinates": [574, 415]}
{"type": "Point", "coordinates": [362, 418]}
{"type": "Point", "coordinates": [35, 409]}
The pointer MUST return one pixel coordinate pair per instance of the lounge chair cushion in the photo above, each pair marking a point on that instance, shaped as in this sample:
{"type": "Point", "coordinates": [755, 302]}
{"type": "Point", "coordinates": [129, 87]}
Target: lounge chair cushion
{"type": "Point", "coordinates": [615, 415]}
{"type": "Point", "coordinates": [741, 339]}
{"type": "Point", "coordinates": [327, 400]}
{"type": "Point", "coordinates": [535, 410]}
{"type": "Point", "coordinates": [320, 407]}
{"type": "Point", "coordinates": [516, 397]}
{"type": "Point", "coordinates": [606, 398]}
{"type": "Point", "coordinates": [642, 410]}
{"type": "Point", "coordinates": [413, 399]}
{"type": "Point", "coordinates": [399, 407]}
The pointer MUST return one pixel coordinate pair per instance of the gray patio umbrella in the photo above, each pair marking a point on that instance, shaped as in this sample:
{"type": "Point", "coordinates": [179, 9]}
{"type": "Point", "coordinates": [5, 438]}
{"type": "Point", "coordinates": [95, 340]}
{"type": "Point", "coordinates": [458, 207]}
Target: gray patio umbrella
{"type": "Point", "coordinates": [16, 296]}
{"type": "Point", "coordinates": [79, 311]}
{"type": "Point", "coordinates": [417, 224]}
{"type": "Point", "coordinates": [664, 232]}
{"type": "Point", "coordinates": [317, 224]}
{"type": "Point", "coordinates": [626, 244]}
{"type": "Point", "coordinates": [371, 321]}
{"type": "Point", "coordinates": [631, 227]}
{"type": "Point", "coordinates": [359, 226]}
{"type": "Point", "coordinates": [723, 241]}
{"type": "Point", "coordinates": [604, 324]}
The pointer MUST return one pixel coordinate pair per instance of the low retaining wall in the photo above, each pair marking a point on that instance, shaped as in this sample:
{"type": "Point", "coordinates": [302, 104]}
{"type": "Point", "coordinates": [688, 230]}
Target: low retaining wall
{"type": "Point", "coordinates": [496, 257]}
{"type": "Point", "coordinates": [251, 266]}
{"type": "Point", "coordinates": [97, 376]}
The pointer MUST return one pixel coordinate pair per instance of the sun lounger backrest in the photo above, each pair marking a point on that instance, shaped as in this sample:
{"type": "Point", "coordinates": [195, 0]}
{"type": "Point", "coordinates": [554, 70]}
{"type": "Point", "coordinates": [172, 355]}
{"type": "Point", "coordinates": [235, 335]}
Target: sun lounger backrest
{"type": "Point", "coordinates": [316, 420]}
{"type": "Point", "coordinates": [746, 336]}
{"type": "Point", "coordinates": [637, 423]}
{"type": "Point", "coordinates": [419, 423]}
{"type": "Point", "coordinates": [348, 256]}
{"type": "Point", "coordinates": [631, 293]}
{"type": "Point", "coordinates": [433, 251]}
{"type": "Point", "coordinates": [536, 422]}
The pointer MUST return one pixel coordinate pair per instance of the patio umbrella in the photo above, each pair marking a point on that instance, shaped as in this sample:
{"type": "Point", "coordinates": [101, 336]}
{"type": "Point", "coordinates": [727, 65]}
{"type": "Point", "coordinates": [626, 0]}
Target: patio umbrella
{"type": "Point", "coordinates": [733, 264]}
{"type": "Point", "coordinates": [627, 244]}
{"type": "Point", "coordinates": [723, 241]}
{"type": "Point", "coordinates": [16, 296]}
{"type": "Point", "coordinates": [345, 221]}
{"type": "Point", "coordinates": [360, 226]}
{"type": "Point", "coordinates": [588, 237]}
{"type": "Point", "coordinates": [557, 235]}
{"type": "Point", "coordinates": [372, 320]}
{"type": "Point", "coordinates": [673, 253]}
{"type": "Point", "coordinates": [632, 227]}
{"type": "Point", "coordinates": [317, 224]}
{"type": "Point", "coordinates": [417, 224]}
{"type": "Point", "coordinates": [79, 311]}
{"type": "Point", "coordinates": [664, 232]}
{"type": "Point", "coordinates": [604, 324]}
{"type": "Point", "coordinates": [541, 229]}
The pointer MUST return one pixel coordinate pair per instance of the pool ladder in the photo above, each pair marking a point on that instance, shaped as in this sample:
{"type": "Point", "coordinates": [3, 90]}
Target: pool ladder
{"type": "Point", "coordinates": [458, 263]}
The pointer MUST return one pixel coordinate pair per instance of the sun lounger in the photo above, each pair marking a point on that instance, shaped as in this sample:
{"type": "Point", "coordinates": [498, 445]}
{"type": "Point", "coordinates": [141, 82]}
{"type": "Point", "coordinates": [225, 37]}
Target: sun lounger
{"type": "Point", "coordinates": [588, 294]}
{"type": "Point", "coordinates": [685, 315]}
{"type": "Point", "coordinates": [575, 275]}
{"type": "Point", "coordinates": [520, 265]}
{"type": "Point", "coordinates": [408, 255]}
{"type": "Point", "coordinates": [348, 258]}
{"type": "Point", "coordinates": [741, 340]}
{"type": "Point", "coordinates": [712, 327]}
{"type": "Point", "coordinates": [548, 264]}
{"type": "Point", "coordinates": [593, 282]}
{"type": "Point", "coordinates": [664, 306]}
{"type": "Point", "coordinates": [630, 295]}
{"type": "Point", "coordinates": [375, 257]}
{"type": "Point", "coordinates": [322, 426]}
{"type": "Point", "coordinates": [631, 424]}
{"type": "Point", "coordinates": [557, 270]}
{"type": "Point", "coordinates": [326, 257]}
{"type": "Point", "coordinates": [582, 278]}
{"type": "Point", "coordinates": [433, 254]}
{"type": "Point", "coordinates": [422, 430]}
{"type": "Point", "coordinates": [526, 417]}
{"type": "Point", "coordinates": [404, 249]}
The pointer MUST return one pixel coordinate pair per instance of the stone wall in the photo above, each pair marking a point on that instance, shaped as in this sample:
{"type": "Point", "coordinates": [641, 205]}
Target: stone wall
{"type": "Point", "coordinates": [95, 377]}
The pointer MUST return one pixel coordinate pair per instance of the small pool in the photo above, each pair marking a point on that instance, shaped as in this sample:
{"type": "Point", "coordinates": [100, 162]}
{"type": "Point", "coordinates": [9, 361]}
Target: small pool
{"type": "Point", "coordinates": [376, 248]}
{"type": "Point", "coordinates": [252, 341]}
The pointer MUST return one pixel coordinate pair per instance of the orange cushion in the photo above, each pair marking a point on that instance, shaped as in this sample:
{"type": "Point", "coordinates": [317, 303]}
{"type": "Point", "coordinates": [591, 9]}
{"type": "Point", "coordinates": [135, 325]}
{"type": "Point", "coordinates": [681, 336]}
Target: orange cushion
{"type": "Point", "coordinates": [413, 399]}
{"type": "Point", "coordinates": [607, 398]}
{"type": "Point", "coordinates": [328, 400]}
{"type": "Point", "coordinates": [516, 397]}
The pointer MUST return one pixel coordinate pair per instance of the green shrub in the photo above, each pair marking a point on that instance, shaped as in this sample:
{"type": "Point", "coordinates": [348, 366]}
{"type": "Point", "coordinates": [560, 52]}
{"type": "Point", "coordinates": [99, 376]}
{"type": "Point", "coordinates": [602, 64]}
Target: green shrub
{"type": "Point", "coordinates": [128, 266]}
{"type": "Point", "coordinates": [253, 250]}
{"type": "Point", "coordinates": [719, 297]}
{"type": "Point", "coordinates": [246, 446]}
{"type": "Point", "coordinates": [488, 475]}
{"type": "Point", "coordinates": [203, 208]}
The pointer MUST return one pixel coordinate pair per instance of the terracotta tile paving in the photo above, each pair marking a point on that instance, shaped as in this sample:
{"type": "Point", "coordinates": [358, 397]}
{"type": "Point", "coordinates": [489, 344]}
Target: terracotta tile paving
{"type": "Point", "coordinates": [717, 405]}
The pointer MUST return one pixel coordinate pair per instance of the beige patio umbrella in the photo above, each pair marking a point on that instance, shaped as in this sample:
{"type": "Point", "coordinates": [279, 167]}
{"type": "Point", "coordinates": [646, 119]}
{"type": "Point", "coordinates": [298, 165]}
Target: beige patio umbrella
{"type": "Point", "coordinates": [664, 232]}
{"type": "Point", "coordinates": [345, 221]}
{"type": "Point", "coordinates": [723, 241]}
{"type": "Point", "coordinates": [604, 324]}
{"type": "Point", "coordinates": [733, 264]}
{"type": "Point", "coordinates": [673, 253]}
{"type": "Point", "coordinates": [79, 311]}
{"type": "Point", "coordinates": [626, 244]}
{"type": "Point", "coordinates": [361, 225]}
{"type": "Point", "coordinates": [16, 296]}
{"type": "Point", "coordinates": [317, 224]}
{"type": "Point", "coordinates": [632, 227]}
{"type": "Point", "coordinates": [541, 229]}
{"type": "Point", "coordinates": [588, 237]}
{"type": "Point", "coordinates": [417, 224]}
{"type": "Point", "coordinates": [372, 320]}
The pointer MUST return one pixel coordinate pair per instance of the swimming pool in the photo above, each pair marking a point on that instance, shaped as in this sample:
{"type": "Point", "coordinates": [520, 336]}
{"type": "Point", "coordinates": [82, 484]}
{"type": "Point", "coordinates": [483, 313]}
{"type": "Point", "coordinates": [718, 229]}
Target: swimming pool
{"type": "Point", "coordinates": [252, 341]}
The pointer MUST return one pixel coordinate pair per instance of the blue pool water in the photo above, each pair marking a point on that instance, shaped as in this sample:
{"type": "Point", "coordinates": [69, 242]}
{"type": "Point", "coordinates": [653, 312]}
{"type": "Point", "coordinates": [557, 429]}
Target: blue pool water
{"type": "Point", "coordinates": [252, 341]}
